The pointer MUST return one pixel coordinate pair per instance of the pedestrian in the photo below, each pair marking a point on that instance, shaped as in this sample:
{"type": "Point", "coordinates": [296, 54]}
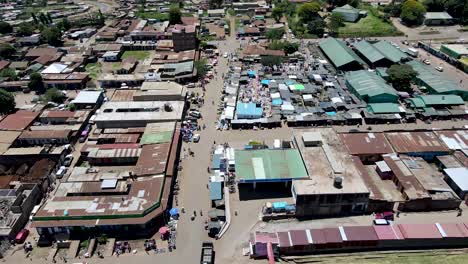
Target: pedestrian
{"type": "Point", "coordinates": [194, 212]}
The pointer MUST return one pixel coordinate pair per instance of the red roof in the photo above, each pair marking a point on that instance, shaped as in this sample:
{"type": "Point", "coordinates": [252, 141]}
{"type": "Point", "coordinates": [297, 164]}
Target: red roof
{"type": "Point", "coordinates": [153, 159]}
{"type": "Point", "coordinates": [19, 120]}
{"type": "Point", "coordinates": [264, 237]}
{"type": "Point", "coordinates": [360, 233]}
{"type": "Point", "coordinates": [299, 237]}
{"type": "Point", "coordinates": [387, 232]}
{"type": "Point", "coordinates": [332, 235]}
{"type": "Point", "coordinates": [59, 114]}
{"type": "Point", "coordinates": [453, 230]}
{"type": "Point", "coordinates": [283, 238]}
{"type": "Point", "coordinates": [4, 64]}
{"type": "Point", "coordinates": [419, 231]}
{"type": "Point", "coordinates": [318, 237]}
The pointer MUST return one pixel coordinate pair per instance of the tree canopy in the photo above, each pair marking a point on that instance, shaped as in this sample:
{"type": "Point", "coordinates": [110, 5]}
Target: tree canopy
{"type": "Point", "coordinates": [7, 102]}
{"type": "Point", "coordinates": [316, 26]}
{"type": "Point", "coordinates": [215, 3]}
{"type": "Point", "coordinates": [271, 60]}
{"type": "Point", "coordinates": [175, 17]}
{"type": "Point", "coordinates": [275, 33]}
{"type": "Point", "coordinates": [25, 29]}
{"type": "Point", "coordinates": [286, 46]}
{"type": "Point", "coordinates": [308, 11]}
{"type": "Point", "coordinates": [400, 76]}
{"type": "Point", "coordinates": [54, 95]}
{"type": "Point", "coordinates": [458, 9]}
{"type": "Point", "coordinates": [412, 12]}
{"type": "Point", "coordinates": [336, 21]}
{"type": "Point", "coordinates": [9, 73]}
{"type": "Point", "coordinates": [201, 68]}
{"type": "Point", "coordinates": [36, 83]}
{"type": "Point", "coordinates": [5, 27]}
{"type": "Point", "coordinates": [434, 5]}
{"type": "Point", "coordinates": [277, 13]}
{"type": "Point", "coordinates": [6, 50]}
{"type": "Point", "coordinates": [52, 36]}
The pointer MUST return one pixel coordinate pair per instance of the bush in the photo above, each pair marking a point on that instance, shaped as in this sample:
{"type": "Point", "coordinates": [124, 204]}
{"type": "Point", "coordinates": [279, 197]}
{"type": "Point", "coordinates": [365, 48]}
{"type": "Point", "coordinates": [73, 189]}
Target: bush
{"type": "Point", "coordinates": [7, 102]}
{"type": "Point", "coordinates": [102, 239]}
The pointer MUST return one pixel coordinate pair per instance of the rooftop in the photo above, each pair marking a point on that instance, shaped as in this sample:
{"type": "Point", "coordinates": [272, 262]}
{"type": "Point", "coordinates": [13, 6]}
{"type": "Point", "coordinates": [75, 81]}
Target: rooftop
{"type": "Point", "coordinates": [19, 120]}
{"type": "Point", "coordinates": [157, 133]}
{"type": "Point", "coordinates": [368, 85]}
{"type": "Point", "coordinates": [454, 139]}
{"type": "Point", "coordinates": [438, 15]}
{"type": "Point", "coordinates": [269, 165]}
{"type": "Point", "coordinates": [326, 162]}
{"type": "Point", "coordinates": [366, 143]}
{"type": "Point", "coordinates": [337, 51]}
{"type": "Point", "coordinates": [153, 159]}
{"type": "Point", "coordinates": [459, 176]}
{"type": "Point", "coordinates": [87, 97]}
{"type": "Point", "coordinates": [415, 142]}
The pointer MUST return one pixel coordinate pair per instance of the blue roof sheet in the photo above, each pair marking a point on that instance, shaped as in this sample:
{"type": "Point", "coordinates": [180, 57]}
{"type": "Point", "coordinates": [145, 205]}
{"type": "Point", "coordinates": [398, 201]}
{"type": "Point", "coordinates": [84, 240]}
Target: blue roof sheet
{"type": "Point", "coordinates": [248, 109]}
{"type": "Point", "coordinates": [277, 102]}
{"type": "Point", "coordinates": [216, 191]}
{"type": "Point", "coordinates": [216, 162]}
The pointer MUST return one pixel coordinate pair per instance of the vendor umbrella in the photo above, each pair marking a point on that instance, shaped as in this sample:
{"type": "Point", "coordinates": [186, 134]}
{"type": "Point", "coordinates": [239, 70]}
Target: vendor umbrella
{"type": "Point", "coordinates": [174, 211]}
{"type": "Point", "coordinates": [163, 230]}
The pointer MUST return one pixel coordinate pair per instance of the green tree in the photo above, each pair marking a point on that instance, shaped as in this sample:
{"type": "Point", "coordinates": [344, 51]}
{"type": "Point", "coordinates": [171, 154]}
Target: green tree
{"type": "Point", "coordinates": [434, 5]}
{"type": "Point", "coordinates": [54, 95]}
{"type": "Point", "coordinates": [7, 102]}
{"type": "Point", "coordinates": [34, 18]}
{"type": "Point", "coordinates": [290, 48]}
{"type": "Point", "coordinates": [175, 17]}
{"type": "Point", "coordinates": [52, 36]}
{"type": "Point", "coordinates": [72, 107]}
{"type": "Point", "coordinates": [276, 33]}
{"type": "Point", "coordinates": [25, 29]}
{"type": "Point", "coordinates": [458, 9]}
{"type": "Point", "coordinates": [6, 50]}
{"type": "Point", "coordinates": [412, 12]}
{"type": "Point", "coordinates": [64, 24]}
{"type": "Point", "coordinates": [316, 26]}
{"type": "Point", "coordinates": [5, 27]}
{"type": "Point", "coordinates": [393, 9]}
{"type": "Point", "coordinates": [215, 3]}
{"type": "Point", "coordinates": [201, 68]}
{"type": "Point", "coordinates": [336, 21]}
{"type": "Point", "coordinates": [36, 83]}
{"type": "Point", "coordinates": [277, 13]}
{"type": "Point", "coordinates": [49, 18]}
{"type": "Point", "coordinates": [9, 73]}
{"type": "Point", "coordinates": [400, 76]}
{"type": "Point", "coordinates": [308, 11]}
{"type": "Point", "coordinates": [271, 60]}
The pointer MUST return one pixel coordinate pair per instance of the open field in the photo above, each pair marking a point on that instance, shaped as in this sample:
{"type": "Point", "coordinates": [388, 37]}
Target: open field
{"type": "Point", "coordinates": [153, 15]}
{"type": "Point", "coordinates": [137, 54]}
{"type": "Point", "coordinates": [93, 69]}
{"type": "Point", "coordinates": [370, 26]}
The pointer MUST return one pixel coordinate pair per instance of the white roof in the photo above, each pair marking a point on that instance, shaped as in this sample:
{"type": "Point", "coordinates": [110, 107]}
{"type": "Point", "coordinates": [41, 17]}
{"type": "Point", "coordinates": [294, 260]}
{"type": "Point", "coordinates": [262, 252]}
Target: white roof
{"type": "Point", "coordinates": [312, 136]}
{"type": "Point", "coordinates": [87, 97]}
{"type": "Point", "coordinates": [307, 97]}
{"type": "Point", "coordinates": [329, 84]}
{"type": "Point", "coordinates": [282, 86]}
{"type": "Point", "coordinates": [459, 176]}
{"type": "Point", "coordinates": [383, 166]}
{"type": "Point", "coordinates": [229, 112]}
{"type": "Point", "coordinates": [336, 100]}
{"type": "Point", "coordinates": [55, 68]}
{"type": "Point", "coordinates": [287, 107]}
{"type": "Point", "coordinates": [275, 95]}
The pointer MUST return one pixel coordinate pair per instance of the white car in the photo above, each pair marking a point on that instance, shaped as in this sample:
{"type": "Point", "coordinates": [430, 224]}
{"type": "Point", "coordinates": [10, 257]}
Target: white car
{"type": "Point", "coordinates": [225, 55]}
{"type": "Point", "coordinates": [427, 62]}
{"type": "Point", "coordinates": [439, 68]}
{"type": "Point", "coordinates": [196, 138]}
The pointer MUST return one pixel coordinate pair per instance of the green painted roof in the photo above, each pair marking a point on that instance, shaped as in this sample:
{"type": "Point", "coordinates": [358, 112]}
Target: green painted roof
{"type": "Point", "coordinates": [416, 102]}
{"type": "Point", "coordinates": [337, 51]}
{"type": "Point", "coordinates": [436, 82]}
{"type": "Point", "coordinates": [156, 138]}
{"type": "Point", "coordinates": [382, 72]}
{"type": "Point", "coordinates": [441, 99]}
{"type": "Point", "coordinates": [369, 51]}
{"type": "Point", "coordinates": [269, 165]}
{"type": "Point", "coordinates": [389, 51]}
{"type": "Point", "coordinates": [368, 84]}
{"type": "Point", "coordinates": [384, 108]}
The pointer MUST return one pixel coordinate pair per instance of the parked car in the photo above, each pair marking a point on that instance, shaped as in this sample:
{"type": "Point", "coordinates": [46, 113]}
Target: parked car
{"type": "Point", "coordinates": [68, 160]}
{"type": "Point", "coordinates": [381, 222]}
{"type": "Point", "coordinates": [427, 62]}
{"type": "Point", "coordinates": [195, 114]}
{"type": "Point", "coordinates": [21, 236]}
{"type": "Point", "coordinates": [385, 215]}
{"type": "Point", "coordinates": [439, 68]}
{"type": "Point", "coordinates": [196, 138]}
{"type": "Point", "coordinates": [60, 172]}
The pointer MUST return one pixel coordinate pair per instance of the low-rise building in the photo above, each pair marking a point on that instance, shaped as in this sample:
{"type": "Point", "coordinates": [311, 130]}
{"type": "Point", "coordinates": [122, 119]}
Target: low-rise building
{"type": "Point", "coordinates": [160, 91]}
{"type": "Point", "coordinates": [184, 37]}
{"type": "Point", "coordinates": [457, 178]}
{"type": "Point", "coordinates": [44, 137]}
{"type": "Point", "coordinates": [417, 144]}
{"type": "Point", "coordinates": [369, 147]}
{"type": "Point", "coordinates": [88, 99]}
{"type": "Point", "coordinates": [438, 19]}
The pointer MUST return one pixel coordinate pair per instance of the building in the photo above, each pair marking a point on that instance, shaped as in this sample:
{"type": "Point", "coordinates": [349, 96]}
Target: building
{"type": "Point", "coordinates": [248, 111]}
{"type": "Point", "coordinates": [88, 99]}
{"type": "Point", "coordinates": [369, 87]}
{"type": "Point", "coordinates": [160, 91]}
{"type": "Point", "coordinates": [349, 13]}
{"type": "Point", "coordinates": [436, 83]}
{"type": "Point", "coordinates": [340, 55]}
{"type": "Point", "coordinates": [17, 204]}
{"type": "Point", "coordinates": [7, 138]}
{"type": "Point", "coordinates": [457, 178]}
{"type": "Point", "coordinates": [53, 117]}
{"type": "Point", "coordinates": [454, 139]}
{"type": "Point", "coordinates": [123, 114]}
{"type": "Point", "coordinates": [369, 147]}
{"type": "Point", "coordinates": [44, 137]}
{"type": "Point", "coordinates": [417, 144]}
{"type": "Point", "coordinates": [455, 51]}
{"type": "Point", "coordinates": [380, 54]}
{"type": "Point", "coordinates": [66, 81]}
{"type": "Point", "coordinates": [18, 121]}
{"type": "Point", "coordinates": [184, 37]}
{"type": "Point", "coordinates": [264, 170]}
{"type": "Point", "coordinates": [111, 56]}
{"type": "Point", "coordinates": [435, 100]}
{"type": "Point", "coordinates": [438, 19]}
{"type": "Point", "coordinates": [334, 186]}
{"type": "Point", "coordinates": [180, 71]}
{"type": "Point", "coordinates": [219, 13]}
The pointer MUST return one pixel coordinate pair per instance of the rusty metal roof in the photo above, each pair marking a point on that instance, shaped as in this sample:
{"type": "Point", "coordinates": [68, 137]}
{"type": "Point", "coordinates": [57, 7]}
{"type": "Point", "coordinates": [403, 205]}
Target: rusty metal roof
{"type": "Point", "coordinates": [415, 142]}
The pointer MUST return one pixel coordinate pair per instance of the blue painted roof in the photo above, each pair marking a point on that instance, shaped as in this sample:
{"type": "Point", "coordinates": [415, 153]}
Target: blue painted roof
{"type": "Point", "coordinates": [248, 109]}
{"type": "Point", "coordinates": [216, 191]}
{"type": "Point", "coordinates": [280, 205]}
{"type": "Point", "coordinates": [216, 163]}
{"type": "Point", "coordinates": [265, 82]}
{"type": "Point", "coordinates": [277, 102]}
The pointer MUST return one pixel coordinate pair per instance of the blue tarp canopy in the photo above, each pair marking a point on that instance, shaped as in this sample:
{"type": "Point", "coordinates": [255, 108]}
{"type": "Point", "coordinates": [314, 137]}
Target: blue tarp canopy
{"type": "Point", "coordinates": [280, 205]}
{"type": "Point", "coordinates": [174, 211]}
{"type": "Point", "coordinates": [216, 163]}
{"type": "Point", "coordinates": [331, 113]}
{"type": "Point", "coordinates": [216, 191]}
{"type": "Point", "coordinates": [251, 73]}
{"type": "Point", "coordinates": [277, 102]}
{"type": "Point", "coordinates": [290, 82]}
{"type": "Point", "coordinates": [265, 82]}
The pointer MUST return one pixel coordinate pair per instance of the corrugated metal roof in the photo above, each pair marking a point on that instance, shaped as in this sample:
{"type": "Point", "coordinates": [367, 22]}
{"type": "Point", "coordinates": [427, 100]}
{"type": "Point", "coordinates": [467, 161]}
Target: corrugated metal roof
{"type": "Point", "coordinates": [390, 51]}
{"type": "Point", "coordinates": [216, 192]}
{"type": "Point", "coordinates": [299, 237]}
{"type": "Point", "coordinates": [441, 99]}
{"type": "Point", "coordinates": [367, 85]}
{"type": "Point", "coordinates": [360, 233]}
{"type": "Point", "coordinates": [419, 231]}
{"type": "Point", "coordinates": [332, 235]}
{"type": "Point", "coordinates": [387, 232]}
{"type": "Point", "coordinates": [453, 230]}
{"type": "Point", "coordinates": [318, 237]}
{"type": "Point", "coordinates": [369, 51]}
{"type": "Point", "coordinates": [338, 52]}
{"type": "Point", "coordinates": [415, 142]}
{"type": "Point", "coordinates": [438, 15]}
{"type": "Point", "coordinates": [384, 108]}
{"type": "Point", "coordinates": [366, 143]}
{"type": "Point", "coordinates": [283, 238]}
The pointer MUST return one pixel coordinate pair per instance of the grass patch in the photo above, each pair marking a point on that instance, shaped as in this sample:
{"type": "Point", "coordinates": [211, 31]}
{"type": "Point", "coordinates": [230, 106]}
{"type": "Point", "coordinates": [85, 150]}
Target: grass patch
{"type": "Point", "coordinates": [369, 26]}
{"type": "Point", "coordinates": [137, 54]}
{"type": "Point", "coordinates": [93, 69]}
{"type": "Point", "coordinates": [152, 15]}
{"type": "Point", "coordinates": [431, 32]}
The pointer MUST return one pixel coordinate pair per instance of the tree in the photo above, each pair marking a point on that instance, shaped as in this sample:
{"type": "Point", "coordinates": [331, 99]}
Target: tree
{"type": "Point", "coordinates": [201, 68]}
{"type": "Point", "coordinates": [308, 11]}
{"type": "Point", "coordinates": [52, 36]}
{"type": "Point", "coordinates": [276, 33]}
{"type": "Point", "coordinates": [43, 19]}
{"type": "Point", "coordinates": [36, 83]}
{"type": "Point", "coordinates": [271, 60]}
{"type": "Point", "coordinates": [434, 5]}
{"type": "Point", "coordinates": [7, 102]}
{"type": "Point", "coordinates": [54, 95]}
{"type": "Point", "coordinates": [316, 26]}
{"type": "Point", "coordinates": [400, 76]}
{"type": "Point", "coordinates": [175, 17]}
{"type": "Point", "coordinates": [25, 29]}
{"type": "Point", "coordinates": [290, 48]}
{"type": "Point", "coordinates": [412, 12]}
{"type": "Point", "coordinates": [5, 27]}
{"type": "Point", "coordinates": [458, 9]}
{"type": "Point", "coordinates": [64, 24]}
{"type": "Point", "coordinates": [34, 18]}
{"type": "Point", "coordinates": [6, 50]}
{"type": "Point", "coordinates": [215, 3]}
{"type": "Point", "coordinates": [9, 73]}
{"type": "Point", "coordinates": [393, 10]}
{"type": "Point", "coordinates": [49, 18]}
{"type": "Point", "coordinates": [336, 21]}
{"type": "Point", "coordinates": [277, 13]}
